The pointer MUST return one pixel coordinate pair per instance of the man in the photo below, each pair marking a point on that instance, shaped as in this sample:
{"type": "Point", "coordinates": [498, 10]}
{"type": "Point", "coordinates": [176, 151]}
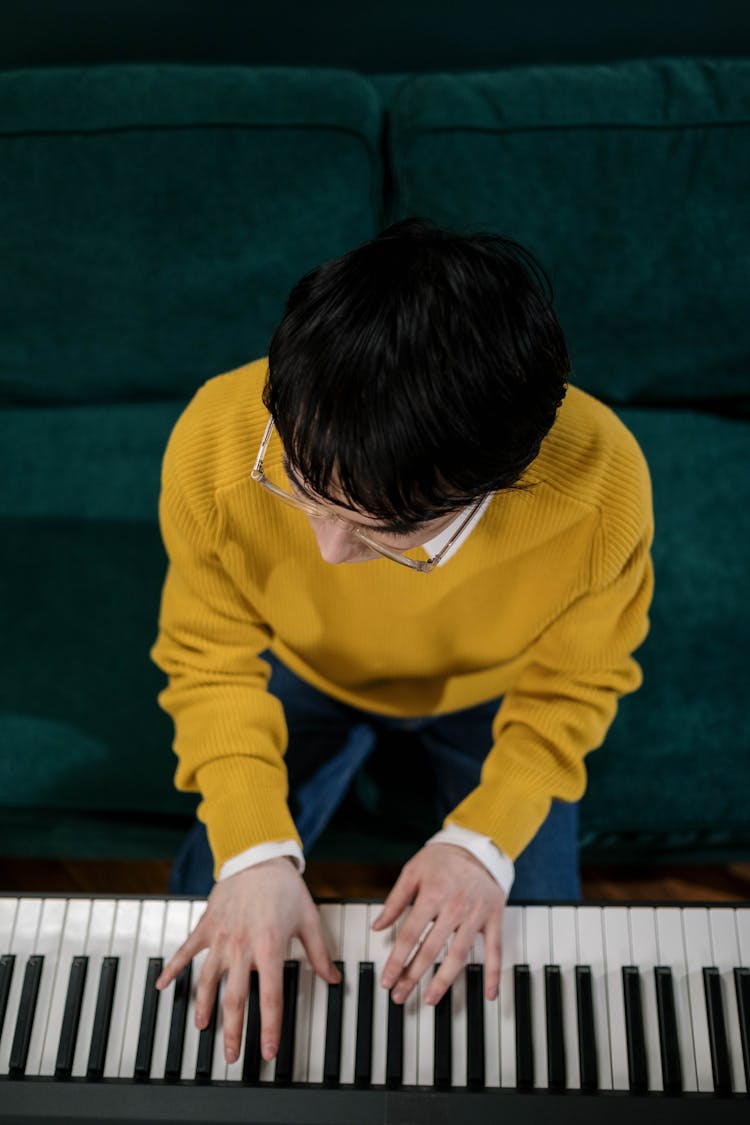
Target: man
{"type": "Point", "coordinates": [414, 413]}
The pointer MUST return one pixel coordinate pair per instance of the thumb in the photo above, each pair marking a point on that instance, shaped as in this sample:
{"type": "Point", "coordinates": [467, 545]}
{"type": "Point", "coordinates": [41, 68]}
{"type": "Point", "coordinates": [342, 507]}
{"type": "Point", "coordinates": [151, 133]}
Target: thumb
{"type": "Point", "coordinates": [399, 898]}
{"type": "Point", "coordinates": [315, 947]}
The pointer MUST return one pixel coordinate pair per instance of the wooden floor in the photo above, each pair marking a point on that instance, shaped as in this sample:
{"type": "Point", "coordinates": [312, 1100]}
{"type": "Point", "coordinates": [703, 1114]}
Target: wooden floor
{"type": "Point", "coordinates": [729, 883]}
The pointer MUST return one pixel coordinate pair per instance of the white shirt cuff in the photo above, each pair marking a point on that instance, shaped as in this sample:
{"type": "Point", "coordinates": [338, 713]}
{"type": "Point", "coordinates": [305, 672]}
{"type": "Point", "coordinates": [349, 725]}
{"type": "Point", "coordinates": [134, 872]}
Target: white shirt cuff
{"type": "Point", "coordinates": [259, 854]}
{"type": "Point", "coordinates": [499, 865]}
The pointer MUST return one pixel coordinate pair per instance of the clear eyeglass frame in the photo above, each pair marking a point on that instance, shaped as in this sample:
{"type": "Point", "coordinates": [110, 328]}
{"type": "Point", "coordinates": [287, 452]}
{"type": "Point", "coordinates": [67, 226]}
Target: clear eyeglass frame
{"type": "Point", "coordinates": [319, 512]}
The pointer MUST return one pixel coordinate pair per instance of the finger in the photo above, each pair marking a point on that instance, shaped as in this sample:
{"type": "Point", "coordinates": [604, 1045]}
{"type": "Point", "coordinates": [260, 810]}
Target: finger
{"type": "Point", "coordinates": [458, 953]}
{"type": "Point", "coordinates": [317, 951]}
{"type": "Point", "coordinates": [399, 898]}
{"type": "Point", "coordinates": [271, 976]}
{"type": "Point", "coordinates": [235, 999]}
{"type": "Point", "coordinates": [193, 944]}
{"type": "Point", "coordinates": [493, 956]}
{"type": "Point", "coordinates": [205, 993]}
{"type": "Point", "coordinates": [407, 945]}
{"type": "Point", "coordinates": [422, 962]}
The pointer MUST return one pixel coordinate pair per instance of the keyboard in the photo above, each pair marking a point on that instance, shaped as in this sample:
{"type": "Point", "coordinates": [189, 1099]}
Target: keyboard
{"type": "Point", "coordinates": [636, 1012]}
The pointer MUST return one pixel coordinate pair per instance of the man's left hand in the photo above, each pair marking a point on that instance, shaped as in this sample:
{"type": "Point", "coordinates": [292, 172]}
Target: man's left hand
{"type": "Point", "coordinates": [456, 893]}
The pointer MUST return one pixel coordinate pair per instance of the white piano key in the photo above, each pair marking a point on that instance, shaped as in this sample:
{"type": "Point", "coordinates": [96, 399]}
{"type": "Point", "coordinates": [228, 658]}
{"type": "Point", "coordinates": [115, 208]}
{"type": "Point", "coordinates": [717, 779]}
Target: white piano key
{"type": "Point", "coordinates": [22, 944]}
{"type": "Point", "coordinates": [726, 958]}
{"type": "Point", "coordinates": [425, 1025]}
{"type": "Point", "coordinates": [742, 919]}
{"type": "Point", "coordinates": [671, 945]}
{"type": "Point", "coordinates": [8, 911]}
{"type": "Point", "coordinates": [49, 938]}
{"type": "Point", "coordinates": [355, 942]}
{"type": "Point", "coordinates": [514, 953]}
{"type": "Point", "coordinates": [564, 943]}
{"type": "Point", "coordinates": [458, 1024]}
{"type": "Point", "coordinates": [414, 1012]}
{"type": "Point", "coordinates": [73, 943]}
{"type": "Point", "coordinates": [616, 954]}
{"type": "Point", "coordinates": [149, 942]}
{"type": "Point", "coordinates": [537, 956]}
{"type": "Point", "coordinates": [330, 918]}
{"type": "Point", "coordinates": [127, 917]}
{"type": "Point", "coordinates": [646, 956]}
{"type": "Point", "coordinates": [192, 1034]}
{"type": "Point", "coordinates": [491, 1020]}
{"type": "Point", "coordinates": [219, 1063]}
{"type": "Point", "coordinates": [176, 929]}
{"type": "Point", "coordinates": [306, 973]}
{"type": "Point", "coordinates": [591, 952]}
{"type": "Point", "coordinates": [380, 944]}
{"type": "Point", "coordinates": [101, 924]}
{"type": "Point", "coordinates": [698, 954]}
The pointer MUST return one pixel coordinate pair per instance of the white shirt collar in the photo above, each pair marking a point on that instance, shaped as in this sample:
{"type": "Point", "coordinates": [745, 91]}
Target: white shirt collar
{"type": "Point", "coordinates": [434, 545]}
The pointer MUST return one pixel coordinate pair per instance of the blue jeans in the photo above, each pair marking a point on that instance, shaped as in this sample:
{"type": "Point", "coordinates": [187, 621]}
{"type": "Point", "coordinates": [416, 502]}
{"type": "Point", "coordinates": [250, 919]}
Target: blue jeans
{"type": "Point", "coordinates": [329, 741]}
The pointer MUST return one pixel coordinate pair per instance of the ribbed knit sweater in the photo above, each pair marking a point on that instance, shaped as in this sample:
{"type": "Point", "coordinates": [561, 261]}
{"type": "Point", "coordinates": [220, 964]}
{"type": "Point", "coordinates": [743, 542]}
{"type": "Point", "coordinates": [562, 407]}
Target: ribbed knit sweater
{"type": "Point", "coordinates": [543, 604]}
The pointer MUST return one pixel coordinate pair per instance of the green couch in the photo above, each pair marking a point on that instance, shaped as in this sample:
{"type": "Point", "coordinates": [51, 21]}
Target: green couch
{"type": "Point", "coordinates": [153, 218]}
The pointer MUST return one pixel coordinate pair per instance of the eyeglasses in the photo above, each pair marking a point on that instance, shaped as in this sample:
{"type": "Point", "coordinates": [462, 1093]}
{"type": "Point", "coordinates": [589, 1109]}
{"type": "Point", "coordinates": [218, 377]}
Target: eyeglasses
{"type": "Point", "coordinates": [321, 513]}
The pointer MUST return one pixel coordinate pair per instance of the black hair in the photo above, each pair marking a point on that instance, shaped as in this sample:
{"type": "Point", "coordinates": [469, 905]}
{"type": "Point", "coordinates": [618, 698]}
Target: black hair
{"type": "Point", "coordinates": [424, 368]}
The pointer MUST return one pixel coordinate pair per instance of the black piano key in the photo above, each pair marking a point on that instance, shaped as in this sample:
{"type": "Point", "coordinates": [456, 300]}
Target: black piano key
{"type": "Point", "coordinates": [102, 1017]}
{"type": "Point", "coordinates": [524, 1046]}
{"type": "Point", "coordinates": [26, 1012]}
{"type": "Point", "coordinates": [205, 1060]}
{"type": "Point", "coordinates": [285, 1054]}
{"type": "Point", "coordinates": [148, 1019]}
{"type": "Point", "coordinates": [7, 962]}
{"type": "Point", "coordinates": [717, 1031]}
{"type": "Point", "coordinates": [173, 1065]}
{"type": "Point", "coordinates": [475, 1026]}
{"type": "Point", "coordinates": [443, 1040]}
{"type": "Point", "coordinates": [332, 1057]}
{"type": "Point", "coordinates": [587, 1054]}
{"type": "Point", "coordinates": [555, 1035]}
{"type": "Point", "coordinates": [71, 1017]}
{"type": "Point", "coordinates": [363, 1046]}
{"type": "Point", "coordinates": [669, 1043]}
{"type": "Point", "coordinates": [253, 1056]}
{"type": "Point", "coordinates": [742, 987]}
{"type": "Point", "coordinates": [636, 1037]}
{"type": "Point", "coordinates": [394, 1058]}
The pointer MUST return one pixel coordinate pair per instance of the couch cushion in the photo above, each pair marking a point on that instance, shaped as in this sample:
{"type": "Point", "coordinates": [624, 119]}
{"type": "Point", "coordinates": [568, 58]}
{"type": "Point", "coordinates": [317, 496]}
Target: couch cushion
{"type": "Point", "coordinates": [676, 758]}
{"type": "Point", "coordinates": [153, 218]}
{"type": "Point", "coordinates": [629, 181]}
{"type": "Point", "coordinates": [80, 583]}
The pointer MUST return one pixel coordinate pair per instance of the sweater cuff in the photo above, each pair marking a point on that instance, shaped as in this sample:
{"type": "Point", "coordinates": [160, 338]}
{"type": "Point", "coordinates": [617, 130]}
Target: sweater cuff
{"type": "Point", "coordinates": [500, 866]}
{"type": "Point", "coordinates": [260, 853]}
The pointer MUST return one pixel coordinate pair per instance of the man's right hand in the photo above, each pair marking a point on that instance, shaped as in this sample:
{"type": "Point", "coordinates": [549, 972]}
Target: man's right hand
{"type": "Point", "coordinates": [248, 922]}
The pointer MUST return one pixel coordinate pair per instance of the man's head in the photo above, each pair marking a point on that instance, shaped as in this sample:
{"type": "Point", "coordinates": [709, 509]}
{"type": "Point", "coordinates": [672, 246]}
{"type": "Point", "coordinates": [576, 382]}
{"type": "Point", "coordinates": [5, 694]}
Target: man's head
{"type": "Point", "coordinates": [416, 373]}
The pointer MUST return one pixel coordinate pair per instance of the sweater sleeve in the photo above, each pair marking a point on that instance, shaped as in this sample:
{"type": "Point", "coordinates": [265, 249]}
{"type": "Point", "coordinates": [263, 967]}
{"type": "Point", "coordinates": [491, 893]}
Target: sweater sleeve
{"type": "Point", "coordinates": [565, 699]}
{"type": "Point", "coordinates": [230, 731]}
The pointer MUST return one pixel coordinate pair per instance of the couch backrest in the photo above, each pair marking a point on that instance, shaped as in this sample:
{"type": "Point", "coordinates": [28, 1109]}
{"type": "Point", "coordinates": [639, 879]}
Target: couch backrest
{"type": "Point", "coordinates": [631, 184]}
{"type": "Point", "coordinates": [154, 218]}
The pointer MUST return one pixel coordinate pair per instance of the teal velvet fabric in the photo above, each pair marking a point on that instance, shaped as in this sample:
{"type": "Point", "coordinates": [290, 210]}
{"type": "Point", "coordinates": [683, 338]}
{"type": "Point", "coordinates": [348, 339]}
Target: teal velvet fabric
{"type": "Point", "coordinates": [80, 584]}
{"type": "Point", "coordinates": [153, 219]}
{"type": "Point", "coordinates": [629, 181]}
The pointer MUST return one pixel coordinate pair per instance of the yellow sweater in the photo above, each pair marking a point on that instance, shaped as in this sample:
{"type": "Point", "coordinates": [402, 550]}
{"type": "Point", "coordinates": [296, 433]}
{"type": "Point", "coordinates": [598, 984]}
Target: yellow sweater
{"type": "Point", "coordinates": [544, 603]}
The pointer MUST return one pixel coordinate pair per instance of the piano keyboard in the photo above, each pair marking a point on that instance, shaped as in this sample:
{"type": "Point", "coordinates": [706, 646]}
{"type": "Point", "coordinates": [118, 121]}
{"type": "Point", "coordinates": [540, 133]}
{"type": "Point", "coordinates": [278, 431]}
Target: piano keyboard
{"type": "Point", "coordinates": [632, 1004]}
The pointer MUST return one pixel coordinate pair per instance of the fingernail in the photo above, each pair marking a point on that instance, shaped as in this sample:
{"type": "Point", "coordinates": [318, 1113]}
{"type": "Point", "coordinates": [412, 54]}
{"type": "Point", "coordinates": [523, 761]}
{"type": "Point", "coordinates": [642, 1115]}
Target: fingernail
{"type": "Point", "coordinates": [388, 980]}
{"type": "Point", "coordinates": [429, 996]}
{"type": "Point", "coordinates": [268, 1051]}
{"type": "Point", "coordinates": [232, 1055]}
{"type": "Point", "coordinates": [377, 921]}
